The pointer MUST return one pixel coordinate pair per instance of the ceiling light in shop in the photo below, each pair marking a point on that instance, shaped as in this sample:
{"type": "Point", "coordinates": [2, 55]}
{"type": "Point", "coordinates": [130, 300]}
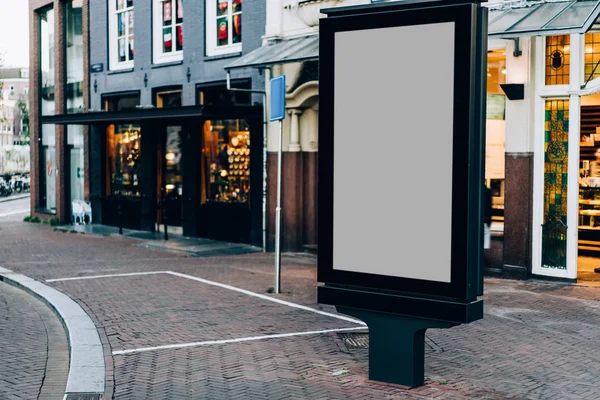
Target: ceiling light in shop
{"type": "Point", "coordinates": [588, 49]}
{"type": "Point", "coordinates": [504, 71]}
{"type": "Point", "coordinates": [170, 186]}
{"type": "Point", "coordinates": [170, 156]}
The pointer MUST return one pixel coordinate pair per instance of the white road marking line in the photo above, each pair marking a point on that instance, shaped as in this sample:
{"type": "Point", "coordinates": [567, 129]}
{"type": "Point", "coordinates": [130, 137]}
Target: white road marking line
{"type": "Point", "coordinates": [23, 211]}
{"type": "Point", "coordinates": [221, 285]}
{"type": "Point", "coordinates": [77, 278]}
{"type": "Point", "coordinates": [264, 297]}
{"type": "Point", "coordinates": [225, 341]}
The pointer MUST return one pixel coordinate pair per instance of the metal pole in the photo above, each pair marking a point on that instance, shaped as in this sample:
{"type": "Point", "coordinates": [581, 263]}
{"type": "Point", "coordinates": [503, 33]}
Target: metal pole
{"type": "Point", "coordinates": [278, 214]}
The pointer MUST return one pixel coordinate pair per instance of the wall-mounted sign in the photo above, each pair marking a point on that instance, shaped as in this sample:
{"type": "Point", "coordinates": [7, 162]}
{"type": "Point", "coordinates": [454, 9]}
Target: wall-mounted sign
{"type": "Point", "coordinates": [97, 67]}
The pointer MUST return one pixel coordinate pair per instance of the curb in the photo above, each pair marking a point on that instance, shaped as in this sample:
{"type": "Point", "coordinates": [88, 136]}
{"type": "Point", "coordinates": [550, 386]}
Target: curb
{"type": "Point", "coordinates": [87, 373]}
{"type": "Point", "coordinates": [15, 197]}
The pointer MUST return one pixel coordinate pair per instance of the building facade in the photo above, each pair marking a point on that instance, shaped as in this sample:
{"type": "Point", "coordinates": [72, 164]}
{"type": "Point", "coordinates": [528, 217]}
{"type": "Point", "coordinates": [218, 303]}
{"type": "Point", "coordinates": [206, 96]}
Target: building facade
{"type": "Point", "coordinates": [144, 123]}
{"type": "Point", "coordinates": [549, 55]}
{"type": "Point", "coordinates": [14, 99]}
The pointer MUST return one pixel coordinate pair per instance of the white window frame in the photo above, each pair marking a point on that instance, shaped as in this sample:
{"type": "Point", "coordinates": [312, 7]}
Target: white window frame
{"type": "Point", "coordinates": [211, 29]}
{"type": "Point", "coordinates": [113, 45]}
{"type": "Point", "coordinates": [158, 55]}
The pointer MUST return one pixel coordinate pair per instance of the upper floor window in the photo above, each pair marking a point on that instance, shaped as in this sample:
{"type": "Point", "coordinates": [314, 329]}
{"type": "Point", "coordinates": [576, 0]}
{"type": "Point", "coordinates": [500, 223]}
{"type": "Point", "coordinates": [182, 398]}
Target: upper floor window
{"type": "Point", "coordinates": [46, 66]}
{"type": "Point", "coordinates": [121, 34]}
{"type": "Point", "coordinates": [558, 58]}
{"type": "Point", "coordinates": [168, 30]}
{"type": "Point", "coordinates": [223, 26]}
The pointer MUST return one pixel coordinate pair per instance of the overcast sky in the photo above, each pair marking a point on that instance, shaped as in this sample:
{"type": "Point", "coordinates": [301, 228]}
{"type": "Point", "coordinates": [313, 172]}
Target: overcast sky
{"type": "Point", "coordinates": [14, 32]}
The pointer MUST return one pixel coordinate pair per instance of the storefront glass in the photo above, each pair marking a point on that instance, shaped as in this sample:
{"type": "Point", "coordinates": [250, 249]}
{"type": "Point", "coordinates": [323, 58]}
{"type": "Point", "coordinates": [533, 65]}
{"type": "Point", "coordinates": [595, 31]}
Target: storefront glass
{"type": "Point", "coordinates": [556, 144]}
{"type": "Point", "coordinates": [47, 62]}
{"type": "Point", "coordinates": [123, 159]}
{"type": "Point", "coordinates": [173, 162]}
{"type": "Point", "coordinates": [76, 173]}
{"type": "Point", "coordinates": [48, 167]}
{"type": "Point", "coordinates": [226, 161]}
{"type": "Point", "coordinates": [496, 130]}
{"type": "Point", "coordinates": [558, 56]}
{"type": "Point", "coordinates": [74, 56]}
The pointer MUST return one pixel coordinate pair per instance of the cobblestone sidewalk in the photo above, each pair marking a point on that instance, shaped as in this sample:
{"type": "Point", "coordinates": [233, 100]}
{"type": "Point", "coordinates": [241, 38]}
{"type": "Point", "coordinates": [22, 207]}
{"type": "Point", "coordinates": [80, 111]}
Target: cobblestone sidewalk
{"type": "Point", "coordinates": [34, 360]}
{"type": "Point", "coordinates": [537, 340]}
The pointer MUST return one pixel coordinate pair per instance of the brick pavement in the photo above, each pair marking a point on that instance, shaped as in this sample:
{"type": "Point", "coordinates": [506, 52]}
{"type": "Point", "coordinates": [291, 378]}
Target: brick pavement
{"type": "Point", "coordinates": [34, 358]}
{"type": "Point", "coordinates": [537, 341]}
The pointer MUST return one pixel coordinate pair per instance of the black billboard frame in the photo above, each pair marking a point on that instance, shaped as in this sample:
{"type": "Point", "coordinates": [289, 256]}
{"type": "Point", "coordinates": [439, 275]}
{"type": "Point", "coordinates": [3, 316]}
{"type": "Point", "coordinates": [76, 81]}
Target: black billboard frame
{"type": "Point", "coordinates": [464, 285]}
{"type": "Point", "coordinates": [398, 310]}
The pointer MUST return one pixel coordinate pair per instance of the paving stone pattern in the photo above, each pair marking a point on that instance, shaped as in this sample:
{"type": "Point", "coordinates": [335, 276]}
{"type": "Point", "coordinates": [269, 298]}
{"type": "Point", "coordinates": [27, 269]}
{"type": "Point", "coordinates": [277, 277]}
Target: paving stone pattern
{"type": "Point", "coordinates": [34, 358]}
{"type": "Point", "coordinates": [537, 341]}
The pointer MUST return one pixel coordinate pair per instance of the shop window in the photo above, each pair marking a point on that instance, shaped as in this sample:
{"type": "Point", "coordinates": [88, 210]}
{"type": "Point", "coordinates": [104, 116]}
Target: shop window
{"type": "Point", "coordinates": [226, 161]}
{"type": "Point", "coordinates": [121, 102]}
{"type": "Point", "coordinates": [558, 58]}
{"type": "Point", "coordinates": [74, 56]}
{"type": "Point", "coordinates": [223, 26]}
{"type": "Point", "coordinates": [46, 71]}
{"type": "Point", "coordinates": [592, 56]}
{"type": "Point", "coordinates": [168, 30]}
{"type": "Point", "coordinates": [556, 161]}
{"type": "Point", "coordinates": [121, 35]}
{"type": "Point", "coordinates": [218, 95]}
{"type": "Point", "coordinates": [123, 159]}
{"type": "Point", "coordinates": [48, 167]}
{"type": "Point", "coordinates": [167, 97]}
{"type": "Point", "coordinates": [76, 166]}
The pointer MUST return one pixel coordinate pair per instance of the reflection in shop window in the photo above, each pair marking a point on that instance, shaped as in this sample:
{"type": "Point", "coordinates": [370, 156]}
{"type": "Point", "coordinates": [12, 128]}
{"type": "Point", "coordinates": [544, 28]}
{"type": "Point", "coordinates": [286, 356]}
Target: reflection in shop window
{"type": "Point", "coordinates": [226, 161]}
{"type": "Point", "coordinates": [558, 56]}
{"type": "Point", "coordinates": [49, 167]}
{"type": "Point", "coordinates": [123, 159]}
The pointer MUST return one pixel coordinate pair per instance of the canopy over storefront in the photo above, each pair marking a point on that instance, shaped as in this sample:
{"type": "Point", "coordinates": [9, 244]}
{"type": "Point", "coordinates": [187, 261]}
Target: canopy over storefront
{"type": "Point", "coordinates": [148, 114]}
{"type": "Point", "coordinates": [298, 49]}
{"type": "Point", "coordinates": [514, 19]}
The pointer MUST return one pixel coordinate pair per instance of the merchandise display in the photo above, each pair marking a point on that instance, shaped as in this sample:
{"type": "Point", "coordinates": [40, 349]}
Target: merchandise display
{"type": "Point", "coordinates": [227, 147]}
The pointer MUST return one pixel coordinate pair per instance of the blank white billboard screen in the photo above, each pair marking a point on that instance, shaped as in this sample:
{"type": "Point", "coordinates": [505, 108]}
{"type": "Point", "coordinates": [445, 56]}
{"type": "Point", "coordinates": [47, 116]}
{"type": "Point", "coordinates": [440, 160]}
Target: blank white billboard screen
{"type": "Point", "coordinates": [393, 123]}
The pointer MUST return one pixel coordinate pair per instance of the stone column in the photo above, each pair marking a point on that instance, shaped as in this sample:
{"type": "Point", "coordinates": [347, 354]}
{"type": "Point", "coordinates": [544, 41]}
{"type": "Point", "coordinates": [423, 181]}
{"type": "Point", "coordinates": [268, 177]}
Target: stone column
{"type": "Point", "coordinates": [294, 130]}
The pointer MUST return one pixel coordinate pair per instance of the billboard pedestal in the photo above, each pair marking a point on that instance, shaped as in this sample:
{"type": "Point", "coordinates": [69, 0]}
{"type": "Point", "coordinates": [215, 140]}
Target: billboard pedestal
{"type": "Point", "coordinates": [396, 345]}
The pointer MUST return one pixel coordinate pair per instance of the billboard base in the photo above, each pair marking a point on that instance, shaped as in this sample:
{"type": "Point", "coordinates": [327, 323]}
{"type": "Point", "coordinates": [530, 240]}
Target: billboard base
{"type": "Point", "coordinates": [396, 345]}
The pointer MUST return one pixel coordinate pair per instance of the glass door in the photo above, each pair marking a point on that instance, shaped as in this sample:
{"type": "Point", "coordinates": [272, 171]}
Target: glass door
{"type": "Point", "coordinates": [170, 179]}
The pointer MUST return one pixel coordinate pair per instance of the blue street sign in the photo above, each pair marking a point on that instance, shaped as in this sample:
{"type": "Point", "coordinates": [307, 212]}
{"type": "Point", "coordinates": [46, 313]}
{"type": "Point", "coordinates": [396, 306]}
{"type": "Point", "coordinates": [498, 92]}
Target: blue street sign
{"type": "Point", "coordinates": [97, 67]}
{"type": "Point", "coordinates": [277, 103]}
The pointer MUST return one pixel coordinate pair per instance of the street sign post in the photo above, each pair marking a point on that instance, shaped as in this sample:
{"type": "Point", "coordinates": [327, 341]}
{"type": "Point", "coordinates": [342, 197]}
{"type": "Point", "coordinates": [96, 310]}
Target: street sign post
{"type": "Point", "coordinates": [277, 113]}
{"type": "Point", "coordinates": [401, 171]}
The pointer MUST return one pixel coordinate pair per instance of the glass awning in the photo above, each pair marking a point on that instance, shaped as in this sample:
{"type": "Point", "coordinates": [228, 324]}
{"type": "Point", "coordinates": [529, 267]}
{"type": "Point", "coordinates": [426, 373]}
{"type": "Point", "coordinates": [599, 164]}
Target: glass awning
{"type": "Point", "coordinates": [542, 18]}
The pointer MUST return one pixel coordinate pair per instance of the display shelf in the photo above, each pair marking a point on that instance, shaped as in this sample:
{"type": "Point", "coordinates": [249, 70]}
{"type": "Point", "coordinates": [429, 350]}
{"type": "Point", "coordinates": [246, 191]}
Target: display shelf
{"type": "Point", "coordinates": [589, 219]}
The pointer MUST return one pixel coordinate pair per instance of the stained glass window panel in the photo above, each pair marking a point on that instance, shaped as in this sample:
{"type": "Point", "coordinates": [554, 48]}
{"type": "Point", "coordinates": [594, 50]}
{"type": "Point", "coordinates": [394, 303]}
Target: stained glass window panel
{"type": "Point", "coordinates": [556, 161]}
{"type": "Point", "coordinates": [558, 56]}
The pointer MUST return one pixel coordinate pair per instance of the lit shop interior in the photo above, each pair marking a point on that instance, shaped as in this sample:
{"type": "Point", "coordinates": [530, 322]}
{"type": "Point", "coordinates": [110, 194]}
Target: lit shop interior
{"type": "Point", "coordinates": [495, 136]}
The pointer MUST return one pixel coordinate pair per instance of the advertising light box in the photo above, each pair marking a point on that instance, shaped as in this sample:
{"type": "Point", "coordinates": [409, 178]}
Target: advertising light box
{"type": "Point", "coordinates": [401, 151]}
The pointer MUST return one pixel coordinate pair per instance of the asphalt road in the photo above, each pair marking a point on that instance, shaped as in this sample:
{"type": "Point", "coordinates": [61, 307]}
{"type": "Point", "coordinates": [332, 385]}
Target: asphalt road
{"type": "Point", "coordinates": [14, 208]}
